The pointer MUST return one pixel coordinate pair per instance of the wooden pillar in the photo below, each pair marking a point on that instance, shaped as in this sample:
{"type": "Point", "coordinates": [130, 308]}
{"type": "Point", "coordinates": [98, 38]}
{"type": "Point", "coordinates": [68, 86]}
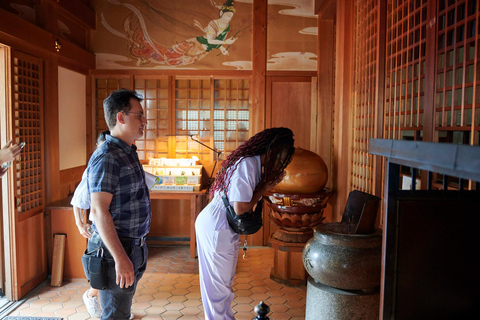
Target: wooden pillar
{"type": "Point", "coordinates": [259, 65]}
{"type": "Point", "coordinates": [342, 137]}
{"type": "Point", "coordinates": [326, 41]}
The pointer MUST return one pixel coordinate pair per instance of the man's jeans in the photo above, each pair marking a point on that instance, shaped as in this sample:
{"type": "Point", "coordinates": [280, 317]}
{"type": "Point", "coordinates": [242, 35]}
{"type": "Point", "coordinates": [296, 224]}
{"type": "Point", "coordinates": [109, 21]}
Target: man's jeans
{"type": "Point", "coordinates": [117, 302]}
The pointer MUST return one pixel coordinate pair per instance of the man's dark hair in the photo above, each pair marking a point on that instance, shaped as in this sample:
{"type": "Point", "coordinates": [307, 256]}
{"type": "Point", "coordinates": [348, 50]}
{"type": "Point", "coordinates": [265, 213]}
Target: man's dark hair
{"type": "Point", "coordinates": [118, 101]}
{"type": "Point", "coordinates": [102, 136]}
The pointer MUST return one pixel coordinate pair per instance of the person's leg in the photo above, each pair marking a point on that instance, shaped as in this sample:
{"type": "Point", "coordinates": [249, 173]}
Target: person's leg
{"type": "Point", "coordinates": [91, 302]}
{"type": "Point", "coordinates": [117, 302]}
{"type": "Point", "coordinates": [217, 271]}
{"type": "Point", "coordinates": [92, 292]}
{"type": "Point", "coordinates": [90, 297]}
{"type": "Point", "coordinates": [230, 284]}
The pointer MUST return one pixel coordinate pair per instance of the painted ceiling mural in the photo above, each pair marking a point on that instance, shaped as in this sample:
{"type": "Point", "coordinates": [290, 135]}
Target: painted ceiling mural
{"type": "Point", "coordinates": [201, 34]}
{"type": "Point", "coordinates": [190, 34]}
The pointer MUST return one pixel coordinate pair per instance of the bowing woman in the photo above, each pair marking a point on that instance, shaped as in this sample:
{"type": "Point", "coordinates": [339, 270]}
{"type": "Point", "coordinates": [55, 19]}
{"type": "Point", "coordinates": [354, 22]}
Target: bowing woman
{"type": "Point", "coordinates": [246, 174]}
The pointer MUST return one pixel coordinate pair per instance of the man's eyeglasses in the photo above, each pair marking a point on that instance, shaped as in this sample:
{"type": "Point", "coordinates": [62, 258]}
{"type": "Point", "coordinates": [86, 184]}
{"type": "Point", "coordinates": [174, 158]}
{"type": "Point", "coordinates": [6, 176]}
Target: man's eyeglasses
{"type": "Point", "coordinates": [140, 116]}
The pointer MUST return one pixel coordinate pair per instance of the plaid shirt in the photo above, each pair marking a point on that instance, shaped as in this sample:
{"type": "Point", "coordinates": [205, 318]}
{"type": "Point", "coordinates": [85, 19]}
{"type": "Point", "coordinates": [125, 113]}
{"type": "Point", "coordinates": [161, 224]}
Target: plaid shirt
{"type": "Point", "coordinates": [114, 168]}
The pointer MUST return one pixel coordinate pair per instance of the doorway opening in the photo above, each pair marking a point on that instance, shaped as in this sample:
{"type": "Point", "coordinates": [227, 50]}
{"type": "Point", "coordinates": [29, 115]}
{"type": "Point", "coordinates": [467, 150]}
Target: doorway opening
{"type": "Point", "coordinates": [3, 186]}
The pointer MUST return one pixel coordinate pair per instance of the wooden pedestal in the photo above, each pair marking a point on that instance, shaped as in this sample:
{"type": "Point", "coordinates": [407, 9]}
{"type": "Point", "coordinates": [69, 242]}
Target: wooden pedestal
{"type": "Point", "coordinates": [288, 264]}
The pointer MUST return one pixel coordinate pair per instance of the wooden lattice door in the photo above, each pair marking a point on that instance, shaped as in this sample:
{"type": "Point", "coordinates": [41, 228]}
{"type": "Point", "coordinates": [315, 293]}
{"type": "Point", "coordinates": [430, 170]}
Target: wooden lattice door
{"type": "Point", "coordinates": [26, 196]}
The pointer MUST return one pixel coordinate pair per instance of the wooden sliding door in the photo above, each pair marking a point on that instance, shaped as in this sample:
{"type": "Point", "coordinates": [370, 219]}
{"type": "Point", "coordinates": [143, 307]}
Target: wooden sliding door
{"type": "Point", "coordinates": [290, 101]}
{"type": "Point", "coordinates": [23, 186]}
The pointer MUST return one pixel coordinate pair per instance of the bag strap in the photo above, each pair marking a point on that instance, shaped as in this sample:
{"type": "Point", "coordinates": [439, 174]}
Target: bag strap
{"type": "Point", "coordinates": [225, 200]}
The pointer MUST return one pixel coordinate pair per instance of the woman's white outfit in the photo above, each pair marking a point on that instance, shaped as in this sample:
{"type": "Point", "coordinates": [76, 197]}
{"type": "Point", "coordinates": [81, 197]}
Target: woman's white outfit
{"type": "Point", "coordinates": [218, 245]}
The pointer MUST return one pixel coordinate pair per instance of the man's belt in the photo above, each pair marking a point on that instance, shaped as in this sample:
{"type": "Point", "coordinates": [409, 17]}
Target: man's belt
{"type": "Point", "coordinates": [133, 241]}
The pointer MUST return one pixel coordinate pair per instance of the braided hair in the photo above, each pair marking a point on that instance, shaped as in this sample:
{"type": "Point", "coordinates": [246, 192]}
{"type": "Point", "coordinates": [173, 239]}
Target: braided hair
{"type": "Point", "coordinates": [270, 142]}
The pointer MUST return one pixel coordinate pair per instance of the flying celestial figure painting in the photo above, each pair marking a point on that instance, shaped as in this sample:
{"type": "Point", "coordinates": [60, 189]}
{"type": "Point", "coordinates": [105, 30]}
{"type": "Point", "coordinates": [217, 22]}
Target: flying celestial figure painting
{"type": "Point", "coordinates": [202, 34]}
{"type": "Point", "coordinates": [143, 49]}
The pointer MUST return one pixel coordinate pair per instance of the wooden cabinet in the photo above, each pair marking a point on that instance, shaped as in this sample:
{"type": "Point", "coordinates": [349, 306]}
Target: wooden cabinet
{"type": "Point", "coordinates": [171, 220]}
{"type": "Point", "coordinates": [430, 236]}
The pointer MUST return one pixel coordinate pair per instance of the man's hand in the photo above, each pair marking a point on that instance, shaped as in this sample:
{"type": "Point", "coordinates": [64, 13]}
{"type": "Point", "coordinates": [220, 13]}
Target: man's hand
{"type": "Point", "coordinates": [124, 271]}
{"type": "Point", "coordinates": [103, 221]}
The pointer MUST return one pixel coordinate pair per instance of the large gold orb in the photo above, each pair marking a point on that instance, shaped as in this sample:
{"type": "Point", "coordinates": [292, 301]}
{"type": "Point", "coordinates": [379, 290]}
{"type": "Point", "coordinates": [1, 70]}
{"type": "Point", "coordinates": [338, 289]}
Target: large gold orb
{"type": "Point", "coordinates": [306, 173]}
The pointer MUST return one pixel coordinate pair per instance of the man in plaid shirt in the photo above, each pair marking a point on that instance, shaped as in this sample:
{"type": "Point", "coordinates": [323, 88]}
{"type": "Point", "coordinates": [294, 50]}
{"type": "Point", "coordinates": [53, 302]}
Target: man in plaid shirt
{"type": "Point", "coordinates": [120, 203]}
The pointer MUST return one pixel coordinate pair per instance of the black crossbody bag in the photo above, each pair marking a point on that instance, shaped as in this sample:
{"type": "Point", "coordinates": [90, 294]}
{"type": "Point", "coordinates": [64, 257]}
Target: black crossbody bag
{"type": "Point", "coordinates": [248, 223]}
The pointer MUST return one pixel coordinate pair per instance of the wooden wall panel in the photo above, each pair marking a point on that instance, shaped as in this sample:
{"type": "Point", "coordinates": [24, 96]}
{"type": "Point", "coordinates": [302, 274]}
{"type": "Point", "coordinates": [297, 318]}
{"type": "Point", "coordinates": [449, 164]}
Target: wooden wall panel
{"type": "Point", "coordinates": [170, 218]}
{"type": "Point", "coordinates": [75, 243]}
{"type": "Point", "coordinates": [31, 266]}
{"type": "Point", "coordinates": [291, 107]}
{"type": "Point", "coordinates": [288, 105]}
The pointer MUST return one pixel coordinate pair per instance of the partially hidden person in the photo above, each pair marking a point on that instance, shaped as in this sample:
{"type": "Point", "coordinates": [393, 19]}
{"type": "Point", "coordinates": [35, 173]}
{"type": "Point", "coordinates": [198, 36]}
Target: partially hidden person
{"type": "Point", "coordinates": [7, 154]}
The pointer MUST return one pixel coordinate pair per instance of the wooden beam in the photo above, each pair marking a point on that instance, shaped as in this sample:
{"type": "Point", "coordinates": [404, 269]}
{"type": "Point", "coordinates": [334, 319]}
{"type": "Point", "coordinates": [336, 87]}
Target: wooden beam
{"type": "Point", "coordinates": [52, 161]}
{"type": "Point", "coordinates": [22, 35]}
{"type": "Point", "coordinates": [380, 95]}
{"type": "Point", "coordinates": [77, 11]}
{"type": "Point", "coordinates": [341, 167]}
{"type": "Point", "coordinates": [326, 94]}
{"type": "Point", "coordinates": [286, 73]}
{"type": "Point", "coordinates": [325, 9]}
{"type": "Point", "coordinates": [430, 74]}
{"type": "Point", "coordinates": [259, 64]}
{"type": "Point", "coordinates": [455, 160]}
{"type": "Point", "coordinates": [187, 73]}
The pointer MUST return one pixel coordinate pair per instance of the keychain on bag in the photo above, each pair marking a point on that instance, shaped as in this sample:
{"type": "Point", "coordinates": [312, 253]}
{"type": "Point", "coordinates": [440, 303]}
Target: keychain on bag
{"type": "Point", "coordinates": [246, 223]}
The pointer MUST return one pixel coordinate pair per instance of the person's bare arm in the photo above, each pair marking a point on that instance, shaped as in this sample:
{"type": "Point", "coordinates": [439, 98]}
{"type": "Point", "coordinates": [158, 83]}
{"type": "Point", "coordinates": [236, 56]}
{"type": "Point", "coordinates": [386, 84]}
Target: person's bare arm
{"type": "Point", "coordinates": [82, 227]}
{"type": "Point", "coordinates": [242, 207]}
{"type": "Point", "coordinates": [99, 203]}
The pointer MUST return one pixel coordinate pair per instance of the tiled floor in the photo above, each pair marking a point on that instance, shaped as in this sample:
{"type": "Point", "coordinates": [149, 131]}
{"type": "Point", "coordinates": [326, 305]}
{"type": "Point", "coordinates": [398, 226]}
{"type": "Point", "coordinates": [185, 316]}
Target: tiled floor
{"type": "Point", "coordinates": [170, 289]}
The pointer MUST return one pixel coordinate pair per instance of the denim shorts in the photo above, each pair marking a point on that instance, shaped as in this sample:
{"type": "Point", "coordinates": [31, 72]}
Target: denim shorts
{"type": "Point", "coordinates": [117, 302]}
